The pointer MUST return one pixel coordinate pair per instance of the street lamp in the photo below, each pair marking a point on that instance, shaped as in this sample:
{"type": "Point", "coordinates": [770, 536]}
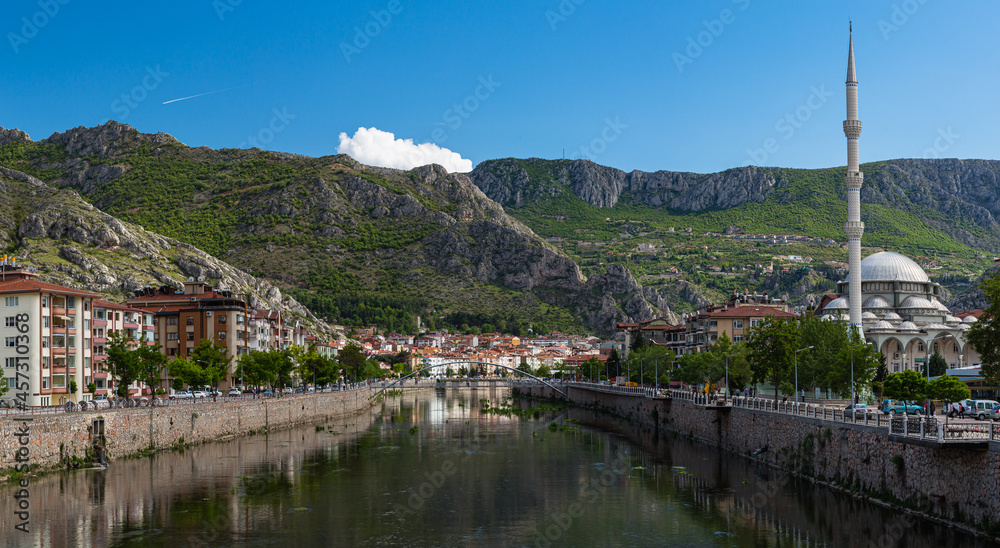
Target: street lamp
{"type": "Point", "coordinates": [796, 360]}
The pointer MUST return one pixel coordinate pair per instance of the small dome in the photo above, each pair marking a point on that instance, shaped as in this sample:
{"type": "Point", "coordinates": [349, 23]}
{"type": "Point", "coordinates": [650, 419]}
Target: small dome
{"type": "Point", "coordinates": [840, 303]}
{"type": "Point", "coordinates": [940, 306]}
{"type": "Point", "coordinates": [951, 319]}
{"type": "Point", "coordinates": [914, 301]}
{"type": "Point", "coordinates": [882, 325]}
{"type": "Point", "coordinates": [892, 316]}
{"type": "Point", "coordinates": [936, 326]}
{"type": "Point", "coordinates": [868, 316]}
{"type": "Point", "coordinates": [969, 319]}
{"type": "Point", "coordinates": [892, 267]}
{"type": "Point", "coordinates": [830, 317]}
{"type": "Point", "coordinates": [907, 326]}
{"type": "Point", "coordinates": [964, 327]}
{"type": "Point", "coordinates": [877, 301]}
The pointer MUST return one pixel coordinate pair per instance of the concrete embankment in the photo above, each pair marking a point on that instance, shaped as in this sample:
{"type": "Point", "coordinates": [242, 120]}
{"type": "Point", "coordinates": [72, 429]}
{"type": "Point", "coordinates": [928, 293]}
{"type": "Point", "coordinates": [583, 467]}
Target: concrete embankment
{"type": "Point", "coordinates": [958, 485]}
{"type": "Point", "coordinates": [51, 439]}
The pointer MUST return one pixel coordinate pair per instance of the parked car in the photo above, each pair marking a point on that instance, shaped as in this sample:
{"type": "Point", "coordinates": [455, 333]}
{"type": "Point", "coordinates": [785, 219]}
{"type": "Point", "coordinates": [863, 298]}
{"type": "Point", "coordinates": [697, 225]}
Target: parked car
{"type": "Point", "coordinates": [199, 394]}
{"type": "Point", "coordinates": [100, 401]}
{"type": "Point", "coordinates": [978, 409]}
{"type": "Point", "coordinates": [182, 395]}
{"type": "Point", "coordinates": [287, 390]}
{"type": "Point", "coordinates": [995, 413]}
{"type": "Point", "coordinates": [214, 392]}
{"type": "Point", "coordinates": [233, 391]}
{"type": "Point", "coordinates": [860, 410]}
{"type": "Point", "coordinates": [891, 407]}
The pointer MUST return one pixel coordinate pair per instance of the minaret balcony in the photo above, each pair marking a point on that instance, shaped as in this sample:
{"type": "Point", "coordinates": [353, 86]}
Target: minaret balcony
{"type": "Point", "coordinates": [853, 180]}
{"type": "Point", "coordinates": [852, 128]}
{"type": "Point", "coordinates": [854, 229]}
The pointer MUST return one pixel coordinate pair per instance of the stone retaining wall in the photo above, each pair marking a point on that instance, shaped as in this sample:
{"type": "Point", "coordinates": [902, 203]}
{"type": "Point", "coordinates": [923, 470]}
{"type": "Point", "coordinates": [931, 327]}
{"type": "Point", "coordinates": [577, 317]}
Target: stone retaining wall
{"type": "Point", "coordinates": [958, 485]}
{"type": "Point", "coordinates": [53, 438]}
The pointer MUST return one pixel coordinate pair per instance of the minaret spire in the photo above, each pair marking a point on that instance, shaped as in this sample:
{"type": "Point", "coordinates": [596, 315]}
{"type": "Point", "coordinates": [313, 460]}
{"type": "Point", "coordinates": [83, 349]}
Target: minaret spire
{"type": "Point", "coordinates": [853, 180]}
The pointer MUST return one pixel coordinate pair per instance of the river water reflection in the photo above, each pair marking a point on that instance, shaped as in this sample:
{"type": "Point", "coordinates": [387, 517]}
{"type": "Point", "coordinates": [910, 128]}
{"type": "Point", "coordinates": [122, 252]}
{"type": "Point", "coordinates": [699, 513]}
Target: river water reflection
{"type": "Point", "coordinates": [431, 469]}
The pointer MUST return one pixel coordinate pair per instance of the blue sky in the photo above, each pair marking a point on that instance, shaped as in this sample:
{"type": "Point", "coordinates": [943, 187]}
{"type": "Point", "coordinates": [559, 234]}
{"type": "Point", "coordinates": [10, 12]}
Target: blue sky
{"type": "Point", "coordinates": [618, 82]}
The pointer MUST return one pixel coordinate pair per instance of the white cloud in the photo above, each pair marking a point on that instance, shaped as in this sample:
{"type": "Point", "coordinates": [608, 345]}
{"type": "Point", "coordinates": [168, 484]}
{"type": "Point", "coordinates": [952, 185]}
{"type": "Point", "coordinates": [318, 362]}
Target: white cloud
{"type": "Point", "coordinates": [375, 147]}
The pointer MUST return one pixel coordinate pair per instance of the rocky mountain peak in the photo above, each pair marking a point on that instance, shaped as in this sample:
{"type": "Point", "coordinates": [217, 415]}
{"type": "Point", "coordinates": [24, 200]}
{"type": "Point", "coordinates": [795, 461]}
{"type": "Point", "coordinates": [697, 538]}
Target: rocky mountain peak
{"type": "Point", "coordinates": [108, 139]}
{"type": "Point", "coordinates": [13, 135]}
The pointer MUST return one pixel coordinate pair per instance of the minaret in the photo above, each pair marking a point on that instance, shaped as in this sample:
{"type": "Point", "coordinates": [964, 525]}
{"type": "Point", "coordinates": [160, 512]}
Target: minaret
{"type": "Point", "coordinates": [852, 182]}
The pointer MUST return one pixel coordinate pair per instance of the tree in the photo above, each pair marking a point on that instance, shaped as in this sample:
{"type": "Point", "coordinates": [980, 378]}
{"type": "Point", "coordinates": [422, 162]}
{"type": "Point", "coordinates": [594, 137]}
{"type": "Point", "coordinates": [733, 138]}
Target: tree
{"type": "Point", "coordinates": [770, 350]}
{"type": "Point", "coordinates": [984, 334]}
{"type": "Point", "coordinates": [150, 366]}
{"type": "Point", "coordinates": [613, 364]}
{"type": "Point", "coordinates": [352, 361]}
{"type": "Point", "coordinates": [123, 361]}
{"type": "Point", "coordinates": [213, 359]}
{"type": "Point", "coordinates": [91, 387]}
{"type": "Point", "coordinates": [948, 389]}
{"type": "Point", "coordinates": [185, 372]}
{"type": "Point", "coordinates": [638, 342]}
{"type": "Point", "coordinates": [592, 369]}
{"type": "Point", "coordinates": [906, 385]}
{"type": "Point", "coordinates": [937, 364]}
{"type": "Point", "coordinates": [544, 372]}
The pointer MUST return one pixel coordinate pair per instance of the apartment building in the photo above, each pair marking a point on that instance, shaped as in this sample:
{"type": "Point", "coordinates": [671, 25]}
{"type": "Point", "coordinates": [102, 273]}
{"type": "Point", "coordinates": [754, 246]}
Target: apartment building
{"type": "Point", "coordinates": [182, 319]}
{"type": "Point", "coordinates": [46, 338]}
{"type": "Point", "coordinates": [108, 318]}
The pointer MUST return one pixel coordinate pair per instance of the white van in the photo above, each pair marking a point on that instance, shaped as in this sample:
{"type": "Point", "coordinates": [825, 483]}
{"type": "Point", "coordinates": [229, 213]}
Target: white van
{"type": "Point", "coordinates": [978, 409]}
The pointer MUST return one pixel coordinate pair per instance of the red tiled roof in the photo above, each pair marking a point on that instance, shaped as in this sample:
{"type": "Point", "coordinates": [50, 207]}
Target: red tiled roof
{"type": "Point", "coordinates": [32, 286]}
{"type": "Point", "coordinates": [101, 303]}
{"type": "Point", "coordinates": [751, 312]}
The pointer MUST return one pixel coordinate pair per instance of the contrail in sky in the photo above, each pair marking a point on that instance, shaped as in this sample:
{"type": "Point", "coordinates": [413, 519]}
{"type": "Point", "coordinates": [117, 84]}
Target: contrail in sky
{"type": "Point", "coordinates": [203, 94]}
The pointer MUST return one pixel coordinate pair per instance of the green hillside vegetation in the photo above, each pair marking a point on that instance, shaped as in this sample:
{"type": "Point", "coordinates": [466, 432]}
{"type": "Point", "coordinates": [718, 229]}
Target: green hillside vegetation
{"type": "Point", "coordinates": [261, 211]}
{"type": "Point", "coordinates": [806, 202]}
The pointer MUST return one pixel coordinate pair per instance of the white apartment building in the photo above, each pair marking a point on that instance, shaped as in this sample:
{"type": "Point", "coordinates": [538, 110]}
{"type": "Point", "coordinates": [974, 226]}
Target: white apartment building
{"type": "Point", "coordinates": [46, 336]}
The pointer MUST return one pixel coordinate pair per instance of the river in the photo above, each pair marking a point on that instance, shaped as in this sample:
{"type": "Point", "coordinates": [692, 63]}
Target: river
{"type": "Point", "coordinates": [432, 468]}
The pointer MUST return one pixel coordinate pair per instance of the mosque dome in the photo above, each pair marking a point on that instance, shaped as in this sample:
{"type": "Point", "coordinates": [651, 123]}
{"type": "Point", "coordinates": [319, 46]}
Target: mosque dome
{"type": "Point", "coordinates": [951, 319]}
{"type": "Point", "coordinates": [940, 306]}
{"type": "Point", "coordinates": [907, 326]}
{"type": "Point", "coordinates": [892, 316]}
{"type": "Point", "coordinates": [882, 325]}
{"type": "Point", "coordinates": [891, 266]}
{"type": "Point", "coordinates": [969, 319]}
{"type": "Point", "coordinates": [868, 316]}
{"type": "Point", "coordinates": [914, 301]}
{"type": "Point", "coordinates": [840, 303]}
{"type": "Point", "coordinates": [877, 301]}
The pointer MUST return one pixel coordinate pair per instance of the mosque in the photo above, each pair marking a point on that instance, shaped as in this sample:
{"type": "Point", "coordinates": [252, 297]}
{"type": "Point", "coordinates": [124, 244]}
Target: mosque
{"type": "Point", "coordinates": [891, 300]}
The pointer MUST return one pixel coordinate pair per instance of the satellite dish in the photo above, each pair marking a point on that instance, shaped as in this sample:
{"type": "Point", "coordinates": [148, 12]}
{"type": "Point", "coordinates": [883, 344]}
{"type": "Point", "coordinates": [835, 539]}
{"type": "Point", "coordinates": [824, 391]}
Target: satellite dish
{"type": "Point", "coordinates": [201, 278]}
{"type": "Point", "coordinates": [190, 279]}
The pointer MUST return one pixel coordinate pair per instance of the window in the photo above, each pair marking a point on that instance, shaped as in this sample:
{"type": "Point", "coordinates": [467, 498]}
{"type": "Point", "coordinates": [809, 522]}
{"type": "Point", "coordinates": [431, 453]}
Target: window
{"type": "Point", "coordinates": [737, 324]}
{"type": "Point", "coordinates": [72, 341]}
{"type": "Point", "coordinates": [172, 320]}
{"type": "Point", "coordinates": [58, 381]}
{"type": "Point", "coordinates": [12, 382]}
{"type": "Point", "coordinates": [45, 301]}
{"type": "Point", "coordinates": [754, 322]}
{"type": "Point", "coordinates": [189, 320]}
{"type": "Point", "coordinates": [86, 306]}
{"type": "Point", "coordinates": [10, 301]}
{"type": "Point", "coordinates": [9, 321]}
{"type": "Point", "coordinates": [190, 336]}
{"type": "Point", "coordinates": [45, 321]}
{"type": "Point", "coordinates": [71, 303]}
{"type": "Point", "coordinates": [239, 319]}
{"type": "Point", "coordinates": [156, 337]}
{"type": "Point", "coordinates": [99, 383]}
{"type": "Point", "coordinates": [171, 351]}
{"type": "Point", "coordinates": [171, 336]}
{"type": "Point", "coordinates": [98, 313]}
{"type": "Point", "coordinates": [10, 342]}
{"type": "Point", "coordinates": [45, 342]}
{"type": "Point", "coordinates": [714, 324]}
{"type": "Point", "coordinates": [86, 324]}
{"type": "Point", "coordinates": [86, 364]}
{"type": "Point", "coordinates": [222, 335]}
{"type": "Point", "coordinates": [737, 338]}
{"type": "Point", "coordinates": [10, 362]}
{"type": "Point", "coordinates": [45, 383]}
{"type": "Point", "coordinates": [222, 319]}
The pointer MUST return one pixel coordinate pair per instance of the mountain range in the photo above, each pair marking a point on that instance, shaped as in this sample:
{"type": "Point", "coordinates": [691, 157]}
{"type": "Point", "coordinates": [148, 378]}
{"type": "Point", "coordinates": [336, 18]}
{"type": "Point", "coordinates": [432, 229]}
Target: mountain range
{"type": "Point", "coordinates": [542, 244]}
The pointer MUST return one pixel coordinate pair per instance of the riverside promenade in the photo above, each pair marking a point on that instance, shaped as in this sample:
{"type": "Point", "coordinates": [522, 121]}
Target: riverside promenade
{"type": "Point", "coordinates": [918, 465]}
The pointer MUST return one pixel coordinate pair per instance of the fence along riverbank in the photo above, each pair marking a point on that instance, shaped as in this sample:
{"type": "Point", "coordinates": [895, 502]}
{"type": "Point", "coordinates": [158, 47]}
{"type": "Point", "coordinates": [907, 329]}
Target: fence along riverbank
{"type": "Point", "coordinates": [954, 482]}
